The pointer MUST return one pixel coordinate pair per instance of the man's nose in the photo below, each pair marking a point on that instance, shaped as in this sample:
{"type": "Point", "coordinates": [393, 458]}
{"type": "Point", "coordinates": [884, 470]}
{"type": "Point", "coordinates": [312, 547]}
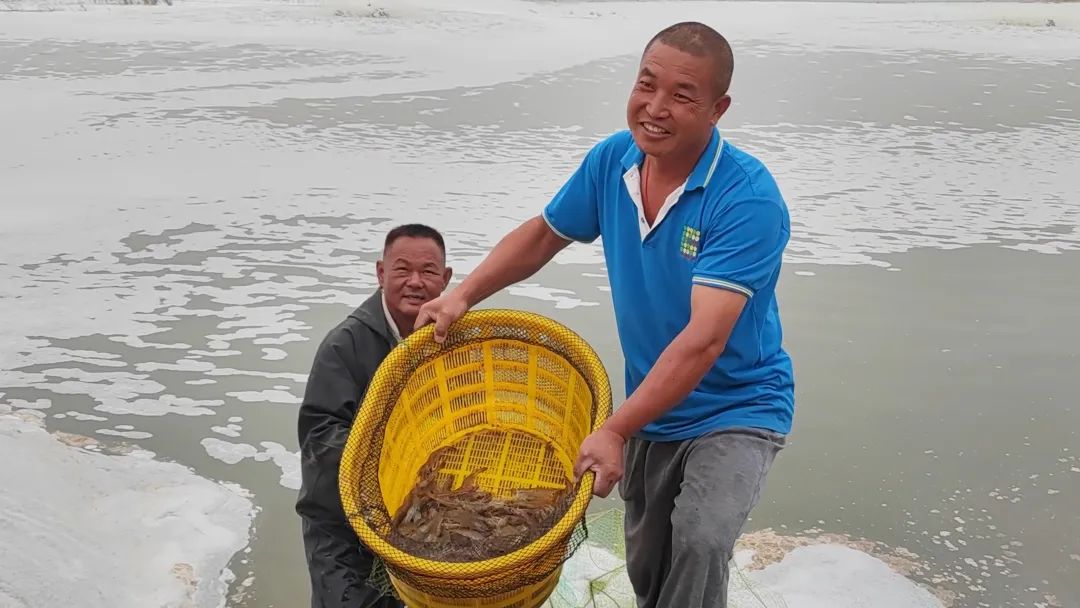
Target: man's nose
{"type": "Point", "coordinates": [415, 278]}
{"type": "Point", "coordinates": [657, 106]}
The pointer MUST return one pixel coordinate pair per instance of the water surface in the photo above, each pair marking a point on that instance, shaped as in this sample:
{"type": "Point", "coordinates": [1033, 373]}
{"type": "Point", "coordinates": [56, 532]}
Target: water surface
{"type": "Point", "coordinates": [234, 198]}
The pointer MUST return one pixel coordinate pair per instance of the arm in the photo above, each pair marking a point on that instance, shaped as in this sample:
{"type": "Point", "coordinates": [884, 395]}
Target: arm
{"type": "Point", "coordinates": [516, 257]}
{"type": "Point", "coordinates": [741, 253]}
{"type": "Point", "coordinates": [337, 563]}
{"type": "Point", "coordinates": [571, 215]}
{"type": "Point", "coordinates": [680, 368]}
{"type": "Point", "coordinates": [684, 362]}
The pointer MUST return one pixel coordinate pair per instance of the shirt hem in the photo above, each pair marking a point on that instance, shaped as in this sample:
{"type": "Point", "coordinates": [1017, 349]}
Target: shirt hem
{"type": "Point", "coordinates": [769, 425]}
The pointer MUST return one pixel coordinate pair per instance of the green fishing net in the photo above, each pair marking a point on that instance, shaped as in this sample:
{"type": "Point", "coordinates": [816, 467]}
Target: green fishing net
{"type": "Point", "coordinates": [595, 577]}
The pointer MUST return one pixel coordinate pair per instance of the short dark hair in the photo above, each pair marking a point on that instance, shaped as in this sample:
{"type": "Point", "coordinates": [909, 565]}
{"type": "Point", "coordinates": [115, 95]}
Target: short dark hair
{"type": "Point", "coordinates": [700, 40]}
{"type": "Point", "coordinates": [416, 231]}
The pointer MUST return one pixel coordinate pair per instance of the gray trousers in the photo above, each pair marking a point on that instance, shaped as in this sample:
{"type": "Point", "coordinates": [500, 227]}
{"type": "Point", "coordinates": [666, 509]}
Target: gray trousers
{"type": "Point", "coordinates": [686, 503]}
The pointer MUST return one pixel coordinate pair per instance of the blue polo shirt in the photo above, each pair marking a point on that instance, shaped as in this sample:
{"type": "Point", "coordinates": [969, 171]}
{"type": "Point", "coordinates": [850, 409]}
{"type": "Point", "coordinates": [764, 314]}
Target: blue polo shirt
{"type": "Point", "coordinates": [725, 228]}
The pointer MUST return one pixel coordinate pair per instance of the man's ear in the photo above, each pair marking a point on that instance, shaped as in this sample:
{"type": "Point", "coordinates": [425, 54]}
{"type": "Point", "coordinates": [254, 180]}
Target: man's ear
{"type": "Point", "coordinates": [720, 107]}
{"type": "Point", "coordinates": [379, 272]}
{"type": "Point", "coordinates": [449, 272]}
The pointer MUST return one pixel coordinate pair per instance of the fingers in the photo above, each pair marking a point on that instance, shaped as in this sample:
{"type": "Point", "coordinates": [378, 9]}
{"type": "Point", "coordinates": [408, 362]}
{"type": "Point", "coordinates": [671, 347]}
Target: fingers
{"type": "Point", "coordinates": [604, 479]}
{"type": "Point", "coordinates": [443, 311]}
{"type": "Point", "coordinates": [603, 485]}
{"type": "Point", "coordinates": [423, 317]}
{"type": "Point", "coordinates": [442, 323]}
{"type": "Point", "coordinates": [583, 464]}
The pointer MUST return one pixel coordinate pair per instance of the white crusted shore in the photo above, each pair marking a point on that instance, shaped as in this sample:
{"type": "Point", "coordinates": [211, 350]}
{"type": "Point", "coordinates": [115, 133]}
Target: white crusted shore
{"type": "Point", "coordinates": [90, 529]}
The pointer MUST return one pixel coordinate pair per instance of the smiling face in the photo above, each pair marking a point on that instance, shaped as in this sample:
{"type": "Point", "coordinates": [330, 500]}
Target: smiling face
{"type": "Point", "coordinates": [413, 271]}
{"type": "Point", "coordinates": [674, 104]}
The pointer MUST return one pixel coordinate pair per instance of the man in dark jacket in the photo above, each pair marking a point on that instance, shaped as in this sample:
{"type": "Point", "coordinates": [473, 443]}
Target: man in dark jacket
{"type": "Point", "coordinates": [412, 271]}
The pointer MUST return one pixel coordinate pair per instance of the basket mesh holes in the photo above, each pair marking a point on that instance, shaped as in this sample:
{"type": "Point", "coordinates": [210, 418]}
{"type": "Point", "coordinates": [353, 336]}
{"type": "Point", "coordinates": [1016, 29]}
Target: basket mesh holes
{"type": "Point", "coordinates": [466, 378]}
{"type": "Point", "coordinates": [523, 467]}
{"type": "Point", "coordinates": [547, 429]}
{"type": "Point", "coordinates": [508, 351]}
{"type": "Point", "coordinates": [551, 389]}
{"type": "Point", "coordinates": [470, 420]}
{"type": "Point", "coordinates": [510, 397]}
{"type": "Point", "coordinates": [507, 374]}
{"type": "Point", "coordinates": [421, 401]}
{"type": "Point", "coordinates": [466, 401]}
{"type": "Point", "coordinates": [510, 417]}
{"type": "Point", "coordinates": [473, 355]}
{"type": "Point", "coordinates": [555, 410]}
{"type": "Point", "coordinates": [553, 366]}
{"type": "Point", "coordinates": [423, 376]}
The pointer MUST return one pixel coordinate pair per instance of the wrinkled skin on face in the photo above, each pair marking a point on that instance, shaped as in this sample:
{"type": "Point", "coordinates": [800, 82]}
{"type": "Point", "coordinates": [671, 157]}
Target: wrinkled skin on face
{"type": "Point", "coordinates": [674, 105]}
{"type": "Point", "coordinates": [413, 271]}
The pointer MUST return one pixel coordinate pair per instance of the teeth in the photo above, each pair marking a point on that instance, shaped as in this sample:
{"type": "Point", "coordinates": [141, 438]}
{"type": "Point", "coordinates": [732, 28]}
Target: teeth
{"type": "Point", "coordinates": [653, 128]}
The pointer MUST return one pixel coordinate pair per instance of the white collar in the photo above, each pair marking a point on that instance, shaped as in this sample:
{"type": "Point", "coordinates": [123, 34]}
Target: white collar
{"type": "Point", "coordinates": [390, 320]}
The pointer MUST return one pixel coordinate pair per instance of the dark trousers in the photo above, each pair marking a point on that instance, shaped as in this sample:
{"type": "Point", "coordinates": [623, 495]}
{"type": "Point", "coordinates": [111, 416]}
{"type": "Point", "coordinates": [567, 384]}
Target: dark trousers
{"type": "Point", "coordinates": [686, 503]}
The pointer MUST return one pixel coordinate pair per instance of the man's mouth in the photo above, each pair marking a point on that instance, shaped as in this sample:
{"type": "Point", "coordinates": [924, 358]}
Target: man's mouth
{"type": "Point", "coordinates": [654, 129]}
{"type": "Point", "coordinates": [414, 298]}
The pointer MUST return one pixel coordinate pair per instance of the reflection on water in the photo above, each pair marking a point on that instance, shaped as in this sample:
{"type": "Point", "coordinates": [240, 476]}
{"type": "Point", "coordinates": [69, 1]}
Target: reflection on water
{"type": "Point", "coordinates": [870, 166]}
{"type": "Point", "coordinates": [934, 401]}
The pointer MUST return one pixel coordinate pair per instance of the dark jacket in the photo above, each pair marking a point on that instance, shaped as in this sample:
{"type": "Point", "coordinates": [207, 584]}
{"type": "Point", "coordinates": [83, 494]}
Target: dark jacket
{"type": "Point", "coordinates": [344, 365]}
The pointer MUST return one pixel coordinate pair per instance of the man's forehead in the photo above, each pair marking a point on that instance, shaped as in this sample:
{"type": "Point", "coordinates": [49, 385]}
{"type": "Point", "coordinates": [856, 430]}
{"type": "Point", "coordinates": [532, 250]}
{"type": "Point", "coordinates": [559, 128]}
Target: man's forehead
{"type": "Point", "coordinates": [684, 76]}
{"type": "Point", "coordinates": [413, 248]}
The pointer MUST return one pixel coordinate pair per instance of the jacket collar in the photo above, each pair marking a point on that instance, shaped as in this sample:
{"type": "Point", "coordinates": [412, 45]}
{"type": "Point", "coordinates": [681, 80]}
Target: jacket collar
{"type": "Point", "coordinates": [371, 313]}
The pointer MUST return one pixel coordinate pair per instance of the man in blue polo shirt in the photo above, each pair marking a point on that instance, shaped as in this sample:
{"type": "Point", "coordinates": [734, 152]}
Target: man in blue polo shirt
{"type": "Point", "coordinates": [694, 231]}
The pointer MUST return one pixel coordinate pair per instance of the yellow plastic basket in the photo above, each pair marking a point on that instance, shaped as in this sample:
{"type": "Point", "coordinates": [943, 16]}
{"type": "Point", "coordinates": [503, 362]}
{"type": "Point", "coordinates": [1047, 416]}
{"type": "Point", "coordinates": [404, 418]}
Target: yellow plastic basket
{"type": "Point", "coordinates": [517, 393]}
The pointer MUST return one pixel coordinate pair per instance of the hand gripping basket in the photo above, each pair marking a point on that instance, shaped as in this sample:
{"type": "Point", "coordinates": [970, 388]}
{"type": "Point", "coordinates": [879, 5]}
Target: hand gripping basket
{"type": "Point", "coordinates": [517, 393]}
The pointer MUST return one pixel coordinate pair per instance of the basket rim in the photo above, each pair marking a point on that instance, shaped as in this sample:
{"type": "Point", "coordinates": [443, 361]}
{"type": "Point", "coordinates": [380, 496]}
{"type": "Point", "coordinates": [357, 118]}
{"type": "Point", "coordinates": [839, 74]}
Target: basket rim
{"type": "Point", "coordinates": [349, 485]}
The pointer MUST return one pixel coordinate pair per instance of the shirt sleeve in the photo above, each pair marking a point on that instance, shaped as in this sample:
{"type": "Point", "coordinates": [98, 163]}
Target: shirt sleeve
{"type": "Point", "coordinates": [743, 246]}
{"type": "Point", "coordinates": [574, 212]}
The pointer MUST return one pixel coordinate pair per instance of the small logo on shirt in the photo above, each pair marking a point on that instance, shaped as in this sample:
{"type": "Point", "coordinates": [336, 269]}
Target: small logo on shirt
{"type": "Point", "coordinates": [691, 237]}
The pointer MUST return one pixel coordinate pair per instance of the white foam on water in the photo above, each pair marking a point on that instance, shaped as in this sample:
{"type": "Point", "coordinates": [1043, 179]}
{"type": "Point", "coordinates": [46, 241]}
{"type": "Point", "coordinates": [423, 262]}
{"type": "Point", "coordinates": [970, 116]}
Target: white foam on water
{"type": "Point", "coordinates": [232, 430]}
{"type": "Point", "coordinates": [233, 453]}
{"type": "Point", "coordinates": [288, 462]}
{"type": "Point", "coordinates": [273, 354]}
{"type": "Point", "coordinates": [229, 453]}
{"type": "Point", "coordinates": [814, 576]}
{"type": "Point", "coordinates": [161, 406]}
{"type": "Point", "coordinates": [283, 339]}
{"type": "Point", "coordinates": [605, 29]}
{"type": "Point", "coordinates": [836, 576]}
{"type": "Point", "coordinates": [228, 371]}
{"type": "Point", "coordinates": [82, 417]}
{"type": "Point", "coordinates": [115, 392]}
{"type": "Point", "coordinates": [127, 434]}
{"type": "Point", "coordinates": [183, 365]}
{"type": "Point", "coordinates": [77, 506]}
{"type": "Point", "coordinates": [268, 396]}
{"type": "Point", "coordinates": [37, 404]}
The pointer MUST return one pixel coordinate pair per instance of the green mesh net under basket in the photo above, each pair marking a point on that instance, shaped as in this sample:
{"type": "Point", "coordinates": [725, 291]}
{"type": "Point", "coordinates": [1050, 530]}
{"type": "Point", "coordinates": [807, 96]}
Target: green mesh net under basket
{"type": "Point", "coordinates": [595, 576]}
